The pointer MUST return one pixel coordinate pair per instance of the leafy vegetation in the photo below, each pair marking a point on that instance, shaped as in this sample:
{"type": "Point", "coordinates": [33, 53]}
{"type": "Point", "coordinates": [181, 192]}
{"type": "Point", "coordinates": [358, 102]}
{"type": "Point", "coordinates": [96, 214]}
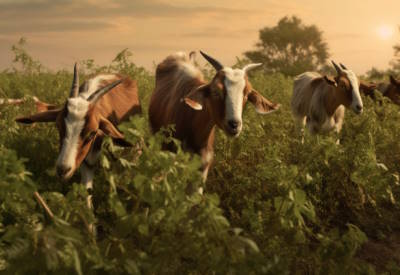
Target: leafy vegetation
{"type": "Point", "coordinates": [271, 205]}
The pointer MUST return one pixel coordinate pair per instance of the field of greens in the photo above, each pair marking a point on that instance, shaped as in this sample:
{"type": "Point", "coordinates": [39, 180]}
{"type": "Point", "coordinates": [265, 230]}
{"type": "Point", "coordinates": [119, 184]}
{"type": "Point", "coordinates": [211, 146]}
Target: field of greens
{"type": "Point", "coordinates": [272, 205]}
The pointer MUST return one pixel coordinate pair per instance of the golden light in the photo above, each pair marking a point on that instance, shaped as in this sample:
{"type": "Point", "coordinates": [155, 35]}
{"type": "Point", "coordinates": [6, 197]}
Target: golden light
{"type": "Point", "coordinates": [385, 32]}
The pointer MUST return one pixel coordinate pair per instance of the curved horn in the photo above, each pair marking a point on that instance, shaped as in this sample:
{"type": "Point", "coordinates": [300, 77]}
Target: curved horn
{"type": "Point", "coordinates": [338, 69]}
{"type": "Point", "coordinates": [216, 64]}
{"type": "Point", "coordinates": [250, 67]}
{"type": "Point", "coordinates": [75, 83]}
{"type": "Point", "coordinates": [343, 66]}
{"type": "Point", "coordinates": [102, 91]}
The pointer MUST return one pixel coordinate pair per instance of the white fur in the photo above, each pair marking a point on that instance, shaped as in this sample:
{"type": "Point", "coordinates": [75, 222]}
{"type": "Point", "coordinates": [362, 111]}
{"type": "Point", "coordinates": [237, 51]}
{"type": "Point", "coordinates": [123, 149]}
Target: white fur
{"type": "Point", "coordinates": [187, 65]}
{"type": "Point", "coordinates": [74, 122]}
{"type": "Point", "coordinates": [207, 157]}
{"type": "Point", "coordinates": [87, 179]}
{"type": "Point", "coordinates": [190, 69]}
{"type": "Point", "coordinates": [309, 102]}
{"type": "Point", "coordinates": [234, 84]}
{"type": "Point", "coordinates": [357, 101]}
{"type": "Point", "coordinates": [94, 84]}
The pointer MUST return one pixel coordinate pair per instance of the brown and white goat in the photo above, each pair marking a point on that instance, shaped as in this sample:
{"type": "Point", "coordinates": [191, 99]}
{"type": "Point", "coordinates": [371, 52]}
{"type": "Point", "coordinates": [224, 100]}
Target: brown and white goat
{"type": "Point", "coordinates": [320, 101]}
{"type": "Point", "coordinates": [391, 90]}
{"type": "Point", "coordinates": [40, 106]}
{"type": "Point", "coordinates": [183, 98]}
{"type": "Point", "coordinates": [368, 89]}
{"type": "Point", "coordinates": [91, 112]}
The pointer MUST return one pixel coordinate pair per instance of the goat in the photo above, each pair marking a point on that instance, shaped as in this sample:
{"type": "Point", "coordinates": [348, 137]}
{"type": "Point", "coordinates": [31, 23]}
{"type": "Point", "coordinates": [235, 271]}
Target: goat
{"type": "Point", "coordinates": [91, 112]}
{"type": "Point", "coordinates": [183, 98]}
{"type": "Point", "coordinates": [391, 90]}
{"type": "Point", "coordinates": [320, 101]}
{"type": "Point", "coordinates": [40, 106]}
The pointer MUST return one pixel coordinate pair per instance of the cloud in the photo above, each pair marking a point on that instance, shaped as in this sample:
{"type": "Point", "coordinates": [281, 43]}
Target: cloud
{"type": "Point", "coordinates": [36, 26]}
{"type": "Point", "coordinates": [104, 9]}
{"type": "Point", "coordinates": [217, 32]}
{"type": "Point", "coordinates": [36, 16]}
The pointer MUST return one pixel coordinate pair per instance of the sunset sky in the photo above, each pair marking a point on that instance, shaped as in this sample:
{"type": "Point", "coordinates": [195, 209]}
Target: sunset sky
{"type": "Point", "coordinates": [360, 33]}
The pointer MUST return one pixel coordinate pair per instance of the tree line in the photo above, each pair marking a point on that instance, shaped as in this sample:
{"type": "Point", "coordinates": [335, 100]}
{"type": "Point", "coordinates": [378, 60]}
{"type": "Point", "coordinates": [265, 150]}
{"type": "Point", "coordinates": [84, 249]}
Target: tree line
{"type": "Point", "coordinates": [292, 47]}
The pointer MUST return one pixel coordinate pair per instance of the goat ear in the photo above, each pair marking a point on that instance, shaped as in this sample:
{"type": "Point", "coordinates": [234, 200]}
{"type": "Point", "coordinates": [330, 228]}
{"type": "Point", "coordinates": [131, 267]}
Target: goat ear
{"type": "Point", "coordinates": [330, 80]}
{"type": "Point", "coordinates": [43, 107]}
{"type": "Point", "coordinates": [47, 116]}
{"type": "Point", "coordinates": [367, 86]}
{"type": "Point", "coordinates": [262, 105]}
{"type": "Point", "coordinates": [195, 99]}
{"type": "Point", "coordinates": [110, 130]}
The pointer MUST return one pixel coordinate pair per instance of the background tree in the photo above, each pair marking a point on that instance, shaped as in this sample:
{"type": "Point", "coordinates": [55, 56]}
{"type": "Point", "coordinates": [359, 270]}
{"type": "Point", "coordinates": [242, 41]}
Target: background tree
{"type": "Point", "coordinates": [290, 47]}
{"type": "Point", "coordinates": [396, 62]}
{"type": "Point", "coordinates": [375, 73]}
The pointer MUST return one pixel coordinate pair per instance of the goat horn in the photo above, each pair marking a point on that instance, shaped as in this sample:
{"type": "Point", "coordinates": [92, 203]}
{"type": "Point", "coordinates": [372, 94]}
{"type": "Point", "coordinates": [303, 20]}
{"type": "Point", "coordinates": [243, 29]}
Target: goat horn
{"type": "Point", "coordinates": [216, 64]}
{"type": "Point", "coordinates": [250, 67]}
{"type": "Point", "coordinates": [75, 83]}
{"type": "Point", "coordinates": [102, 91]}
{"type": "Point", "coordinates": [338, 69]}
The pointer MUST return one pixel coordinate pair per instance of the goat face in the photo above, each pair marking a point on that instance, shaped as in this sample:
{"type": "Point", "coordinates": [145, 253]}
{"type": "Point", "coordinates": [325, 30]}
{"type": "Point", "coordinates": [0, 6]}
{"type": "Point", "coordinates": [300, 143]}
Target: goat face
{"type": "Point", "coordinates": [226, 95]}
{"type": "Point", "coordinates": [78, 125]}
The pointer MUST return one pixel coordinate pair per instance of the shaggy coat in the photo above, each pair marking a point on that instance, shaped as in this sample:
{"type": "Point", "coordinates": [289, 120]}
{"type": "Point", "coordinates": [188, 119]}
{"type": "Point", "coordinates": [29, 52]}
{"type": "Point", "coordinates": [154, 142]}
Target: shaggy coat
{"type": "Point", "coordinates": [184, 99]}
{"type": "Point", "coordinates": [311, 104]}
{"type": "Point", "coordinates": [319, 101]}
{"type": "Point", "coordinates": [391, 90]}
{"type": "Point", "coordinates": [90, 113]}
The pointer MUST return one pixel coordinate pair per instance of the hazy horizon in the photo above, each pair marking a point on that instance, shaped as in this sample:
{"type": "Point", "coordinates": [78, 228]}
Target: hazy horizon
{"type": "Point", "coordinates": [360, 34]}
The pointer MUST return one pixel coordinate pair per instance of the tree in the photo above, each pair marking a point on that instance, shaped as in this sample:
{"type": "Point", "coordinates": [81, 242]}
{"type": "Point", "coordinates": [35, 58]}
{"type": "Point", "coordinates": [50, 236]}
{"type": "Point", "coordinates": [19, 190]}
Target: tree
{"type": "Point", "coordinates": [396, 62]}
{"type": "Point", "coordinates": [290, 47]}
{"type": "Point", "coordinates": [22, 57]}
{"type": "Point", "coordinates": [375, 73]}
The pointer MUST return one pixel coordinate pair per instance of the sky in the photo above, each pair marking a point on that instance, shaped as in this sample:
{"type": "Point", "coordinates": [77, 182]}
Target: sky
{"type": "Point", "coordinates": [360, 33]}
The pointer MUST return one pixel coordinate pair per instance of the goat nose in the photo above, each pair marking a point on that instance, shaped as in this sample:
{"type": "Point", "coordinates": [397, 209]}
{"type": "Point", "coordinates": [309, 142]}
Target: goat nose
{"type": "Point", "coordinates": [233, 124]}
{"type": "Point", "coordinates": [63, 170]}
{"type": "Point", "coordinates": [359, 108]}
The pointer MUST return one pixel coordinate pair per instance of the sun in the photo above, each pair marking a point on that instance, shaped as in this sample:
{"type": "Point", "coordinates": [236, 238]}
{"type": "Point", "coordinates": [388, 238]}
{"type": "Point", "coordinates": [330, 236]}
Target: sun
{"type": "Point", "coordinates": [385, 32]}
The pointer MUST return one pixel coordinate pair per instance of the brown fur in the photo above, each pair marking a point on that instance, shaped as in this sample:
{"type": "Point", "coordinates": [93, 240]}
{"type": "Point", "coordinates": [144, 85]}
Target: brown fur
{"type": "Point", "coordinates": [40, 106]}
{"type": "Point", "coordinates": [102, 117]}
{"type": "Point", "coordinates": [392, 90]}
{"type": "Point", "coordinates": [368, 89]}
{"type": "Point", "coordinates": [182, 98]}
{"type": "Point", "coordinates": [166, 107]}
{"type": "Point", "coordinates": [317, 99]}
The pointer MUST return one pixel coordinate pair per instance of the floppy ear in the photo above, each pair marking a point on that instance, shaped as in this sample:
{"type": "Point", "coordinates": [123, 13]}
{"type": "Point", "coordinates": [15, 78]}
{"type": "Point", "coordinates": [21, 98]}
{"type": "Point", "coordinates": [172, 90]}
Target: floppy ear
{"type": "Point", "coordinates": [47, 116]}
{"type": "Point", "coordinates": [330, 80]}
{"type": "Point", "coordinates": [43, 107]}
{"type": "Point", "coordinates": [109, 129]}
{"type": "Point", "coordinates": [195, 99]}
{"type": "Point", "coordinates": [367, 86]}
{"type": "Point", "coordinates": [262, 105]}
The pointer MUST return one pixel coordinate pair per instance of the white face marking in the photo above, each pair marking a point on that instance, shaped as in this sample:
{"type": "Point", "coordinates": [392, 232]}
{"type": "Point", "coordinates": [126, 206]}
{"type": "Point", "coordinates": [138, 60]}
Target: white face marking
{"type": "Point", "coordinates": [356, 101]}
{"type": "Point", "coordinates": [234, 84]}
{"type": "Point", "coordinates": [74, 123]}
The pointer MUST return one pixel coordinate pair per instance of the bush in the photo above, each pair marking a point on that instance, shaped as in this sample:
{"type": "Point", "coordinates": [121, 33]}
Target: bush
{"type": "Point", "coordinates": [272, 205]}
